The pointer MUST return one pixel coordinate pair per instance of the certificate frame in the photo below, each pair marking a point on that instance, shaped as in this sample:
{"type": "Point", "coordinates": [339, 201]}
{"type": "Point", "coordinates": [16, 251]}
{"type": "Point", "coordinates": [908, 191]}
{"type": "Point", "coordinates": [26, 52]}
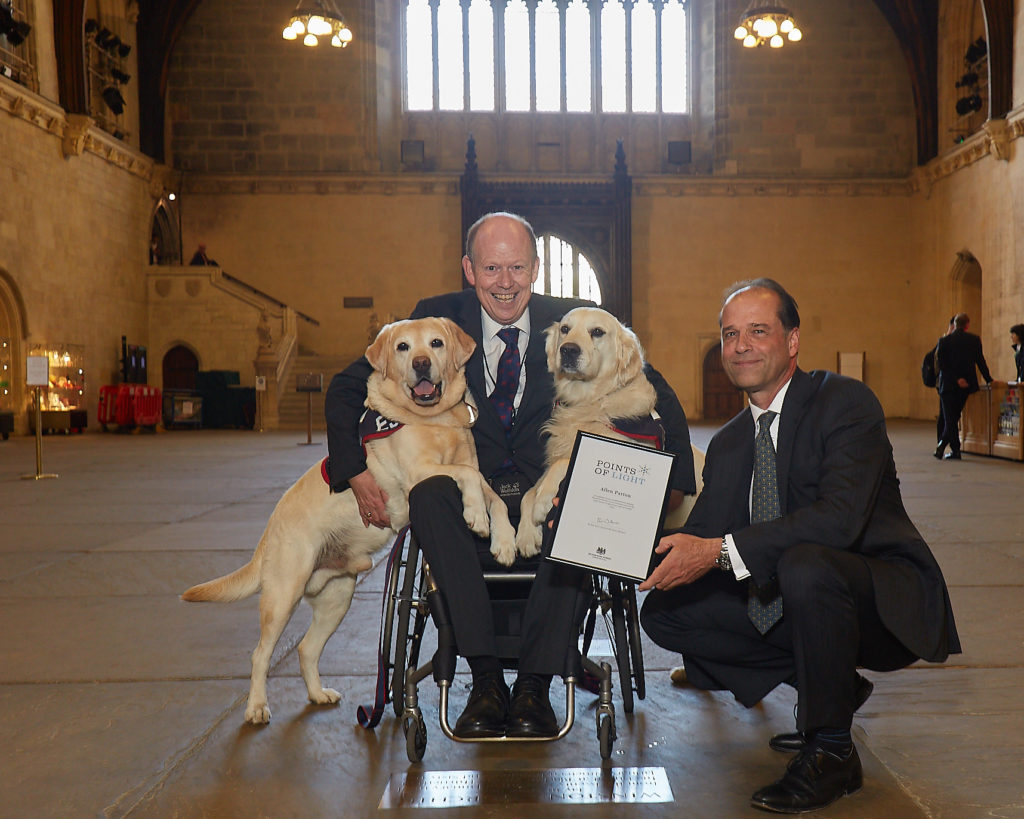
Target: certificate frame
{"type": "Point", "coordinates": [615, 500]}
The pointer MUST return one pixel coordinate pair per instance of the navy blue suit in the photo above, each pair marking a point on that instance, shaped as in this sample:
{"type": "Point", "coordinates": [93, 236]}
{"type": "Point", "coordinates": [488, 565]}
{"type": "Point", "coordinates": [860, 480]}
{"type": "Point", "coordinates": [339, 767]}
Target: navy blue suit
{"type": "Point", "coordinates": [859, 584]}
{"type": "Point", "coordinates": [455, 555]}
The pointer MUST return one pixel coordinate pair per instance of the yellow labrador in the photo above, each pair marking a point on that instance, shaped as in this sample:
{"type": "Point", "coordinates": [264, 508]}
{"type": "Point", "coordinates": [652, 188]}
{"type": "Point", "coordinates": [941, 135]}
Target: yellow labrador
{"type": "Point", "coordinates": [597, 365]}
{"type": "Point", "coordinates": [417, 425]}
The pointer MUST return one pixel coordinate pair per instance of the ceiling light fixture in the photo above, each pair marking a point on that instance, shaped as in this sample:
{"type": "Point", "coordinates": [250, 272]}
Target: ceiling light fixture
{"type": "Point", "coordinates": [316, 19]}
{"type": "Point", "coordinates": [767, 22]}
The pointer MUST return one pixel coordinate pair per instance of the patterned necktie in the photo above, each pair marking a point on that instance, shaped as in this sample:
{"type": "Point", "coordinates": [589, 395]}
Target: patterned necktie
{"type": "Point", "coordinates": [506, 383]}
{"type": "Point", "coordinates": [764, 606]}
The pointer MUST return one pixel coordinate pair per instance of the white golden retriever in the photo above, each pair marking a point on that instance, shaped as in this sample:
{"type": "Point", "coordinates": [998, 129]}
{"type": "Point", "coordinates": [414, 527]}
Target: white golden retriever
{"type": "Point", "coordinates": [315, 543]}
{"type": "Point", "coordinates": [597, 365]}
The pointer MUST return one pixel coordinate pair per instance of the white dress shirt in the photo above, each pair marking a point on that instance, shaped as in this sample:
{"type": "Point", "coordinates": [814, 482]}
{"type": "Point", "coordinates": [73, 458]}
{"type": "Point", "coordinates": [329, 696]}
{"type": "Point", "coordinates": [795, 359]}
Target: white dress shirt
{"type": "Point", "coordinates": [494, 347]}
{"type": "Point", "coordinates": [739, 568]}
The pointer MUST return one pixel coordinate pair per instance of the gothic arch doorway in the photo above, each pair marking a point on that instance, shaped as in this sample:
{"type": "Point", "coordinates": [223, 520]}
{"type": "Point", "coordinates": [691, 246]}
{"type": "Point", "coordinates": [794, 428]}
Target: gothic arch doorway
{"type": "Point", "coordinates": [13, 332]}
{"type": "Point", "coordinates": [966, 282]}
{"type": "Point", "coordinates": [180, 366]}
{"type": "Point", "coordinates": [721, 399]}
{"type": "Point", "coordinates": [165, 244]}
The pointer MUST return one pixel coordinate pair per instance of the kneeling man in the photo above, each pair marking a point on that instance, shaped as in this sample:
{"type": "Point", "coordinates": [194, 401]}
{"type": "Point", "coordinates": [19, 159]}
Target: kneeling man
{"type": "Point", "coordinates": [798, 562]}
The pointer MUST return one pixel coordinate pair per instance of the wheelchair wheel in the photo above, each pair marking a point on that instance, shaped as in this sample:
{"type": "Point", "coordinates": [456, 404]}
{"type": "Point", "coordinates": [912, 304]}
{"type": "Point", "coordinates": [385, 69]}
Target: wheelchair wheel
{"type": "Point", "coordinates": [636, 650]}
{"type": "Point", "coordinates": [415, 738]}
{"type": "Point", "coordinates": [606, 735]}
{"type": "Point", "coordinates": [402, 645]}
{"type": "Point", "coordinates": [621, 645]}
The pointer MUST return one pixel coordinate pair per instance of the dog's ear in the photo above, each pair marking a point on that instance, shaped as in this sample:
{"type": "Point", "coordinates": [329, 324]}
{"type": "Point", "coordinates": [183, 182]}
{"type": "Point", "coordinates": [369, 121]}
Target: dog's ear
{"type": "Point", "coordinates": [551, 345]}
{"type": "Point", "coordinates": [379, 353]}
{"type": "Point", "coordinates": [630, 356]}
{"type": "Point", "coordinates": [462, 343]}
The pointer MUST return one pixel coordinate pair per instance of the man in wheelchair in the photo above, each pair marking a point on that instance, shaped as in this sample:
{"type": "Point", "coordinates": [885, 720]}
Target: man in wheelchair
{"type": "Point", "coordinates": [509, 367]}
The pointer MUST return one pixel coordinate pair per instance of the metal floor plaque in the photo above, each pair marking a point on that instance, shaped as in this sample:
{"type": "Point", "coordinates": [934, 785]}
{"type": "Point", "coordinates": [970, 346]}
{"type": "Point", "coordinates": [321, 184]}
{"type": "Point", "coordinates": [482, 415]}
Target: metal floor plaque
{"type": "Point", "coordinates": [553, 786]}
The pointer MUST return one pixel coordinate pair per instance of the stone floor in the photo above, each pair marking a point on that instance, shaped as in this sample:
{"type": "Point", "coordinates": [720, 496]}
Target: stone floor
{"type": "Point", "coordinates": [120, 700]}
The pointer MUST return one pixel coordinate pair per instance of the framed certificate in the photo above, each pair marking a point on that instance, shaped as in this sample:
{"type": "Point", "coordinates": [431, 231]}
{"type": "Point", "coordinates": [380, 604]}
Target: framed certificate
{"type": "Point", "coordinates": [615, 501]}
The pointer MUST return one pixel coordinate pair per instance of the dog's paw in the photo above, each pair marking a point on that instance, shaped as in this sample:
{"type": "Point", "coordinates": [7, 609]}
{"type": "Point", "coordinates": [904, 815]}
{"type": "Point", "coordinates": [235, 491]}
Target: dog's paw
{"type": "Point", "coordinates": [528, 540]}
{"type": "Point", "coordinates": [326, 696]}
{"type": "Point", "coordinates": [477, 519]}
{"type": "Point", "coordinates": [504, 551]}
{"type": "Point", "coordinates": [257, 713]}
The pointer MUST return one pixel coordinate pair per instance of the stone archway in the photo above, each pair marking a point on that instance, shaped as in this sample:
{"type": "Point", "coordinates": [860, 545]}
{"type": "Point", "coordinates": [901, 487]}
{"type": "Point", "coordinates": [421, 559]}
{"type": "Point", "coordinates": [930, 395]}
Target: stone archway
{"type": "Point", "coordinates": [721, 399]}
{"type": "Point", "coordinates": [13, 333]}
{"type": "Point", "coordinates": [966, 289]}
{"type": "Point", "coordinates": [180, 366]}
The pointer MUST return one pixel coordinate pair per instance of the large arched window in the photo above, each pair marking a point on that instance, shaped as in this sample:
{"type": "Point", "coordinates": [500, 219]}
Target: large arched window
{"type": "Point", "coordinates": [564, 270]}
{"type": "Point", "coordinates": [545, 56]}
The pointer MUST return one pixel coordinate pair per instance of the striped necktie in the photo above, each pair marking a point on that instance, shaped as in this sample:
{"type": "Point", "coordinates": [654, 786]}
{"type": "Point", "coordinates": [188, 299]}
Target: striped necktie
{"type": "Point", "coordinates": [764, 606]}
{"type": "Point", "coordinates": [506, 382]}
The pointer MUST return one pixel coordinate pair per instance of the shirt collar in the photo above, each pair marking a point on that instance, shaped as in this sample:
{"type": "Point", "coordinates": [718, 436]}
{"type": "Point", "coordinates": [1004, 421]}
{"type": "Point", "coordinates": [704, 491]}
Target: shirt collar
{"type": "Point", "coordinates": [775, 406]}
{"type": "Point", "coordinates": [490, 327]}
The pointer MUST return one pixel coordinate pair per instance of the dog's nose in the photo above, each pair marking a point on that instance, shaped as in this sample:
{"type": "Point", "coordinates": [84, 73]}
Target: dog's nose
{"type": "Point", "coordinates": [570, 354]}
{"type": "Point", "coordinates": [421, 364]}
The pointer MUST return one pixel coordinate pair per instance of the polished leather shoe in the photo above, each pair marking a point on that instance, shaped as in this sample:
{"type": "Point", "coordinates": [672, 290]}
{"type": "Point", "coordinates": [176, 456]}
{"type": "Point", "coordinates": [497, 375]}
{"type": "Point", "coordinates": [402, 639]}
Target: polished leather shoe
{"type": "Point", "coordinates": [953, 456]}
{"type": "Point", "coordinates": [531, 714]}
{"type": "Point", "coordinates": [794, 742]}
{"type": "Point", "coordinates": [486, 710]}
{"type": "Point", "coordinates": [678, 675]}
{"type": "Point", "coordinates": [939, 450]}
{"type": "Point", "coordinates": [814, 778]}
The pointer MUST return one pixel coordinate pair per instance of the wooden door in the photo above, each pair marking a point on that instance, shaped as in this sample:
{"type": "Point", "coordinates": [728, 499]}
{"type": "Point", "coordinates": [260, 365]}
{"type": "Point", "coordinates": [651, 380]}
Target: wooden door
{"type": "Point", "coordinates": [721, 399]}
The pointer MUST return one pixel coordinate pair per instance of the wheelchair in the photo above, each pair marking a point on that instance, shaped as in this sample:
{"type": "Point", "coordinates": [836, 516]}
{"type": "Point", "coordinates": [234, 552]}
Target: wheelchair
{"type": "Point", "coordinates": [411, 598]}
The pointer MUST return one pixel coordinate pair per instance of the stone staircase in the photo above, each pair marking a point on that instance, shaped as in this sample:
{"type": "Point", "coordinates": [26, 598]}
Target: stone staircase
{"type": "Point", "coordinates": [292, 409]}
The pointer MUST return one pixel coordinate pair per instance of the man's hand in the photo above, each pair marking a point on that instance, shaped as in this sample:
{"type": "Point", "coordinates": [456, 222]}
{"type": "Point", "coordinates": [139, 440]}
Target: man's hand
{"type": "Point", "coordinates": [372, 500]}
{"type": "Point", "coordinates": [688, 558]}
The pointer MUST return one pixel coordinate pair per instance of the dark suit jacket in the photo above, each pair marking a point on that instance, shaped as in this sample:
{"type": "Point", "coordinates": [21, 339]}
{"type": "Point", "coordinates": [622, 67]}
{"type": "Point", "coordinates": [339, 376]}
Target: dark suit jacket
{"type": "Point", "coordinates": [838, 488]}
{"type": "Point", "coordinates": [957, 356]}
{"type": "Point", "coordinates": [347, 392]}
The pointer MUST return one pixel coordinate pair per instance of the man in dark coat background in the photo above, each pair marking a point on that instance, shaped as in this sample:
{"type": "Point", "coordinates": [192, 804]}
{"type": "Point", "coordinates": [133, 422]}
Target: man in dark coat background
{"type": "Point", "coordinates": [958, 356]}
{"type": "Point", "coordinates": [804, 567]}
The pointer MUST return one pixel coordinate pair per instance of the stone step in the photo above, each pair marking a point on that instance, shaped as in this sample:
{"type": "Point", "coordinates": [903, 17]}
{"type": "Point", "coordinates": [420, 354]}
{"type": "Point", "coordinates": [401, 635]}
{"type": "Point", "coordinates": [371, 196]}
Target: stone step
{"type": "Point", "coordinates": [294, 406]}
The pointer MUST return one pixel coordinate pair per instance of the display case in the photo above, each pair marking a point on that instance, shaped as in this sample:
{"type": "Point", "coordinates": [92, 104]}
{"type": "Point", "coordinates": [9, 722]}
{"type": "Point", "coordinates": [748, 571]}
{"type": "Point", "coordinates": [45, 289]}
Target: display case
{"type": "Point", "coordinates": [1006, 435]}
{"type": "Point", "coordinates": [990, 423]}
{"type": "Point", "coordinates": [62, 401]}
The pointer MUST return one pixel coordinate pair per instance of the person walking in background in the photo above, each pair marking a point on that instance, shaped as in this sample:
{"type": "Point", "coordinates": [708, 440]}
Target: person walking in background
{"type": "Point", "coordinates": [1017, 343]}
{"type": "Point", "coordinates": [958, 355]}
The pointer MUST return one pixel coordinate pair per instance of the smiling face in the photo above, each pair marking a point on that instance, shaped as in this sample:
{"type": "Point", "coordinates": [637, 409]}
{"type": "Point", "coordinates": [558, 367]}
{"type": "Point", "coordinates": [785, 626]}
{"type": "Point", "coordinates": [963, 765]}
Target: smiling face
{"type": "Point", "coordinates": [758, 353]}
{"type": "Point", "coordinates": [502, 269]}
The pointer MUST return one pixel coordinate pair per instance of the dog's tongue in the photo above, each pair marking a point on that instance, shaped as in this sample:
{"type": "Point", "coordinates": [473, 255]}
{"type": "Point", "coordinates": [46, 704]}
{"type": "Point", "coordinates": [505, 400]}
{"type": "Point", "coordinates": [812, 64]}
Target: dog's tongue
{"type": "Point", "coordinates": [424, 388]}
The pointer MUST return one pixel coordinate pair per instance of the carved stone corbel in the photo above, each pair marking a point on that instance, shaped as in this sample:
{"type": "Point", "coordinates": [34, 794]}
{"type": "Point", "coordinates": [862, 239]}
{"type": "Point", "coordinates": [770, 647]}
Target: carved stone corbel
{"type": "Point", "coordinates": [76, 128]}
{"type": "Point", "coordinates": [1000, 135]}
{"type": "Point", "coordinates": [160, 180]}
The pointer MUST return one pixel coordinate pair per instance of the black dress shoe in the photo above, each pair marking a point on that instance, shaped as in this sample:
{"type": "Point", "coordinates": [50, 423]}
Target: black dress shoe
{"type": "Point", "coordinates": [953, 456]}
{"type": "Point", "coordinates": [794, 742]}
{"type": "Point", "coordinates": [814, 778]}
{"type": "Point", "coordinates": [531, 714]}
{"type": "Point", "coordinates": [486, 711]}
{"type": "Point", "coordinates": [939, 450]}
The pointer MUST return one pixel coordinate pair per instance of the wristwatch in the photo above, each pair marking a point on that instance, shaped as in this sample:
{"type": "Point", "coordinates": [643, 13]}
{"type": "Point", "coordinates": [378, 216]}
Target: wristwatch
{"type": "Point", "coordinates": [723, 561]}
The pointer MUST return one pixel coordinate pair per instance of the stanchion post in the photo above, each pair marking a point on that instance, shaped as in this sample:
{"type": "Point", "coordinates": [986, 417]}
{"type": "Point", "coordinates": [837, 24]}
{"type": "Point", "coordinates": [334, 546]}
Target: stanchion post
{"type": "Point", "coordinates": [309, 383]}
{"type": "Point", "coordinates": [40, 475]}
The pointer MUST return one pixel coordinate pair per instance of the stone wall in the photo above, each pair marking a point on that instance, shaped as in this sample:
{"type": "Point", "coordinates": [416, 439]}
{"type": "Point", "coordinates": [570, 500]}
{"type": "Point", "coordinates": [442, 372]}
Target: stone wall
{"type": "Point", "coordinates": [838, 103]}
{"type": "Point", "coordinates": [73, 236]}
{"type": "Point", "coordinates": [241, 99]}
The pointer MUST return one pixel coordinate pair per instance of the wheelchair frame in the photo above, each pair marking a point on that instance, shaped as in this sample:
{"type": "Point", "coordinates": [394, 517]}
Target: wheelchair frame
{"type": "Point", "coordinates": [412, 597]}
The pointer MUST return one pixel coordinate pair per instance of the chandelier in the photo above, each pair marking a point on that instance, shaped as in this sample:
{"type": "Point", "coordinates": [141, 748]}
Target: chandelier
{"type": "Point", "coordinates": [316, 19]}
{"type": "Point", "coordinates": [766, 22]}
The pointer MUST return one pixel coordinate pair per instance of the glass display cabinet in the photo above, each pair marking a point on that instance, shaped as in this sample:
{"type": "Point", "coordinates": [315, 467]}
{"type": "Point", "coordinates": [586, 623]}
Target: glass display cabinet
{"type": "Point", "coordinates": [62, 401]}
